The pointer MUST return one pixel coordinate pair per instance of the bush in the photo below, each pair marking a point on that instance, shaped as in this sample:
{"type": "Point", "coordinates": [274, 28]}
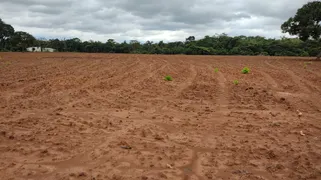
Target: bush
{"type": "Point", "coordinates": [216, 70]}
{"type": "Point", "coordinates": [245, 70]}
{"type": "Point", "coordinates": [304, 54]}
{"type": "Point", "coordinates": [235, 82]}
{"type": "Point", "coordinates": [168, 78]}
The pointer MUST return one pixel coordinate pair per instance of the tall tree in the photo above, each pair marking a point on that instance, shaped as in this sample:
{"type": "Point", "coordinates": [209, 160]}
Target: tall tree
{"type": "Point", "coordinates": [22, 40]}
{"type": "Point", "coordinates": [306, 23]}
{"type": "Point", "coordinates": [110, 46]}
{"type": "Point", "coordinates": [134, 45]}
{"type": "Point", "coordinates": [190, 39]}
{"type": "Point", "coordinates": [6, 31]}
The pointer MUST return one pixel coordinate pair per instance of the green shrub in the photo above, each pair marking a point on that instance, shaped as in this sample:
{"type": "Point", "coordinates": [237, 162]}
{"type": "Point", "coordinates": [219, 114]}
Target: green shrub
{"type": "Point", "coordinates": [304, 54]}
{"type": "Point", "coordinates": [168, 78]}
{"type": "Point", "coordinates": [235, 82]}
{"type": "Point", "coordinates": [216, 70]}
{"type": "Point", "coordinates": [246, 70]}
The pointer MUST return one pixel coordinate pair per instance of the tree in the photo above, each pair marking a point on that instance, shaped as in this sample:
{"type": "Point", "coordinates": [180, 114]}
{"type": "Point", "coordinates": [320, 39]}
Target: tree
{"type": "Point", "coordinates": [6, 31]}
{"type": "Point", "coordinates": [110, 46]}
{"type": "Point", "coordinates": [190, 39]}
{"type": "Point", "coordinates": [306, 23]}
{"type": "Point", "coordinates": [42, 43]}
{"type": "Point", "coordinates": [73, 45]}
{"type": "Point", "coordinates": [56, 44]}
{"type": "Point", "coordinates": [134, 45]}
{"type": "Point", "coordinates": [22, 40]}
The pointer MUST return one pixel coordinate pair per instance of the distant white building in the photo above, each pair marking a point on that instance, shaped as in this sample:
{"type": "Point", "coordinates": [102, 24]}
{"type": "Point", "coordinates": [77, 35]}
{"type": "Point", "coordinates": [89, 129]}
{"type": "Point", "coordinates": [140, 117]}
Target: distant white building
{"type": "Point", "coordinates": [38, 49]}
{"type": "Point", "coordinates": [34, 49]}
{"type": "Point", "coordinates": [48, 50]}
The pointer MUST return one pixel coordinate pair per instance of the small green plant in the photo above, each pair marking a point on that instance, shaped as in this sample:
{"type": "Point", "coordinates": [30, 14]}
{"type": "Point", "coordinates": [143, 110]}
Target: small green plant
{"type": "Point", "coordinates": [216, 70]}
{"type": "Point", "coordinates": [235, 82]}
{"type": "Point", "coordinates": [306, 64]}
{"type": "Point", "coordinates": [168, 78]}
{"type": "Point", "coordinates": [246, 70]}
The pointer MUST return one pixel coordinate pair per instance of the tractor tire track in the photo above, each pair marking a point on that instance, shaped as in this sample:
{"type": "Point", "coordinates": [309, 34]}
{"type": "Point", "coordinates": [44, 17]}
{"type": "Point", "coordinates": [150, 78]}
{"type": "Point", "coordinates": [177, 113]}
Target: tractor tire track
{"type": "Point", "coordinates": [274, 85]}
{"type": "Point", "coordinates": [190, 80]}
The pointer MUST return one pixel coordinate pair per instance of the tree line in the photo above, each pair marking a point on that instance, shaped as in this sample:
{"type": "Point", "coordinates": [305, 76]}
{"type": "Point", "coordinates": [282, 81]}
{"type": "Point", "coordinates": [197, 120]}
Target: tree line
{"type": "Point", "coordinates": [305, 24]}
{"type": "Point", "coordinates": [221, 44]}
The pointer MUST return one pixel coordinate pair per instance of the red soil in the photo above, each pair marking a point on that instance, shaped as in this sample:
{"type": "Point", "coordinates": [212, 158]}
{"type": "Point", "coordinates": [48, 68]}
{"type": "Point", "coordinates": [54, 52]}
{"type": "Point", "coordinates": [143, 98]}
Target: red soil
{"type": "Point", "coordinates": [109, 116]}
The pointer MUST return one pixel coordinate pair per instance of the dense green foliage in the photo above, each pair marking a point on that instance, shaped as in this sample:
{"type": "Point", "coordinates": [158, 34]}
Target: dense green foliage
{"type": "Point", "coordinates": [215, 45]}
{"type": "Point", "coordinates": [6, 31]}
{"type": "Point", "coordinates": [14, 41]}
{"type": "Point", "coordinates": [305, 24]}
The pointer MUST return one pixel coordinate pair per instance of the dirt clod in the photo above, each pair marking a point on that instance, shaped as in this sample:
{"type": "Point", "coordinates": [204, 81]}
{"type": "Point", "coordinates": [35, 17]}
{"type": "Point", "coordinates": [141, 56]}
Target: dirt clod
{"type": "Point", "coordinates": [126, 147]}
{"type": "Point", "coordinates": [169, 166]}
{"type": "Point", "coordinates": [158, 137]}
{"type": "Point", "coordinates": [144, 178]}
{"type": "Point", "coordinates": [3, 133]}
{"type": "Point", "coordinates": [82, 174]}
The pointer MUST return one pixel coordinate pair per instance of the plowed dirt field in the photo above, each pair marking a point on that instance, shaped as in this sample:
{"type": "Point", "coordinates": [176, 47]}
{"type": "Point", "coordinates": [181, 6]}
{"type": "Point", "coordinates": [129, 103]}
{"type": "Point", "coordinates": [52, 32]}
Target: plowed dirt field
{"type": "Point", "coordinates": [113, 116]}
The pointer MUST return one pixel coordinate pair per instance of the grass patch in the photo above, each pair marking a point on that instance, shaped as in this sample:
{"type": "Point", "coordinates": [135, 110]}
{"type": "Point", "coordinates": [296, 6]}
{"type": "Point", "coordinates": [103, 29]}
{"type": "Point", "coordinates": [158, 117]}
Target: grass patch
{"type": "Point", "coordinates": [235, 82]}
{"type": "Point", "coordinates": [168, 78]}
{"type": "Point", "coordinates": [246, 70]}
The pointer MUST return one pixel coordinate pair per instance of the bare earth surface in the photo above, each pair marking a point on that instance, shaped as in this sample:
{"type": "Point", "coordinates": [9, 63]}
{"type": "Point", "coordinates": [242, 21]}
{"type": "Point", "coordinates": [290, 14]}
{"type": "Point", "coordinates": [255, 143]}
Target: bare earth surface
{"type": "Point", "coordinates": [109, 116]}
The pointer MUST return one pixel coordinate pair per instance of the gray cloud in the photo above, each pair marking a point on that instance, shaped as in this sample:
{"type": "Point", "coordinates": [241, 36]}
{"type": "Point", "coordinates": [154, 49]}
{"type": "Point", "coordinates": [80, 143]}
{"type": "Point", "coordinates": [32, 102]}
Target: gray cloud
{"type": "Point", "coordinates": [145, 19]}
{"type": "Point", "coordinates": [44, 9]}
{"type": "Point", "coordinates": [49, 3]}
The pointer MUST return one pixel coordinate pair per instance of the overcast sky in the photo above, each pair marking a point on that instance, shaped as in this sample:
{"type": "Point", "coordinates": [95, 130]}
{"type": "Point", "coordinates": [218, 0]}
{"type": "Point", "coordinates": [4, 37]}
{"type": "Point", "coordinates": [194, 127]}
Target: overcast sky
{"type": "Point", "coordinates": [167, 20]}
